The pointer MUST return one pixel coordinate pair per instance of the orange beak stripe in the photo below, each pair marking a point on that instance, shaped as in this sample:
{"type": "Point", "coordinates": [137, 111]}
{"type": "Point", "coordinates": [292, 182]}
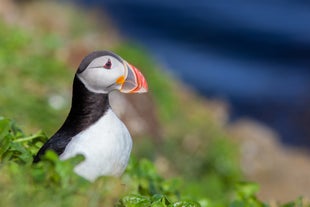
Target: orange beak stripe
{"type": "Point", "coordinates": [120, 80]}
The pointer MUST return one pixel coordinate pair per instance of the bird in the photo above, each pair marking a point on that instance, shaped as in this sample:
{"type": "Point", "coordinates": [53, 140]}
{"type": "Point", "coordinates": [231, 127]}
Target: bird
{"type": "Point", "coordinates": [91, 128]}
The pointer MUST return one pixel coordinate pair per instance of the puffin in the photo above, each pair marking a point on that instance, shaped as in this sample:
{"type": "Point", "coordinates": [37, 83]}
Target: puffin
{"type": "Point", "coordinates": [91, 128]}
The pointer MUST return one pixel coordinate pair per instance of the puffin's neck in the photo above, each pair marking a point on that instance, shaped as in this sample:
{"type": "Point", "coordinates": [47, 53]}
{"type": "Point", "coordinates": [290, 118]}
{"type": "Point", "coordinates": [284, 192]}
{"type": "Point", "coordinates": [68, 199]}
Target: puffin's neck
{"type": "Point", "coordinates": [86, 108]}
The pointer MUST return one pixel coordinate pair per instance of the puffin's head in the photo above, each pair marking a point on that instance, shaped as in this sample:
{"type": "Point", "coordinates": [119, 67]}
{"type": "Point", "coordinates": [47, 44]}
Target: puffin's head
{"type": "Point", "coordinates": [104, 71]}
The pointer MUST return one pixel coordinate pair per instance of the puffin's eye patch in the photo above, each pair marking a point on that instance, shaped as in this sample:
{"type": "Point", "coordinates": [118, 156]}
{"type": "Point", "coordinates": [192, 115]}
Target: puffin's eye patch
{"type": "Point", "coordinates": [108, 64]}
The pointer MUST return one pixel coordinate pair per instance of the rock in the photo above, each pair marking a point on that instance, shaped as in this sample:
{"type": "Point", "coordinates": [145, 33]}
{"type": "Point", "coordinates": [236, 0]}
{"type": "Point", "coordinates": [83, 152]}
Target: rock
{"type": "Point", "coordinates": [282, 172]}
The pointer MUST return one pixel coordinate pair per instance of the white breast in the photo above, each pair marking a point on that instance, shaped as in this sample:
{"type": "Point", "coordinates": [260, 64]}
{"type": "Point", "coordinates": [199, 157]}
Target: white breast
{"type": "Point", "coordinates": [106, 146]}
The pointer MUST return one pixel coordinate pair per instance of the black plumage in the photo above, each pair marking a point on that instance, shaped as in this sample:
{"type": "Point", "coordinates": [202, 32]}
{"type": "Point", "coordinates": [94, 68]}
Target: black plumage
{"type": "Point", "coordinates": [86, 108]}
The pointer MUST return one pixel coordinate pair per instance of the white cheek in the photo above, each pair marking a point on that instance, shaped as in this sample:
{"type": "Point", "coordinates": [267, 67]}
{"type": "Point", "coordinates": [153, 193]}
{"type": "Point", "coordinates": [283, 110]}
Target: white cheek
{"type": "Point", "coordinates": [99, 80]}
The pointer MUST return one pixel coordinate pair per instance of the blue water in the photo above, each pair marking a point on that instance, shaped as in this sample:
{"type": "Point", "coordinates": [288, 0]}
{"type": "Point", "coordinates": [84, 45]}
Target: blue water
{"type": "Point", "coordinates": [254, 55]}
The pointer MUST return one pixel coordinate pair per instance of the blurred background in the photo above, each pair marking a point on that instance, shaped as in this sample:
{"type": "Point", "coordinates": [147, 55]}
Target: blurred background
{"type": "Point", "coordinates": [229, 83]}
{"type": "Point", "coordinates": [256, 55]}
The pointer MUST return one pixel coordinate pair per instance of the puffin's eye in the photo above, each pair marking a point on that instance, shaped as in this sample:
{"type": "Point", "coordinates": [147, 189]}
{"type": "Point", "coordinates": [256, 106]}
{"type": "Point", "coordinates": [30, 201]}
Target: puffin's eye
{"type": "Point", "coordinates": [108, 64]}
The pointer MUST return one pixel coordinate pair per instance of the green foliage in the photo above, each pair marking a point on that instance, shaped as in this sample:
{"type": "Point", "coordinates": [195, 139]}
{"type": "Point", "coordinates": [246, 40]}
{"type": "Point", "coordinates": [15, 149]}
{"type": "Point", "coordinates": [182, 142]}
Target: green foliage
{"type": "Point", "coordinates": [55, 179]}
{"type": "Point", "coordinates": [15, 146]}
{"type": "Point", "coordinates": [52, 182]}
{"type": "Point", "coordinates": [155, 201]}
{"type": "Point", "coordinates": [245, 196]}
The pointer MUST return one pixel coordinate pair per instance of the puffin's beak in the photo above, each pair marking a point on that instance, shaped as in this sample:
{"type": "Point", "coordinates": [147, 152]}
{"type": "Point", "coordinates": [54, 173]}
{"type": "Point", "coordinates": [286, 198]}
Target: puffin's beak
{"type": "Point", "coordinates": [134, 81]}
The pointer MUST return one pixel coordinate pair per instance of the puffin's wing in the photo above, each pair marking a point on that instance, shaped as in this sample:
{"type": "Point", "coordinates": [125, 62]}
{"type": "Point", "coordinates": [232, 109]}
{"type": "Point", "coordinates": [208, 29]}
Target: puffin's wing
{"type": "Point", "coordinates": [56, 143]}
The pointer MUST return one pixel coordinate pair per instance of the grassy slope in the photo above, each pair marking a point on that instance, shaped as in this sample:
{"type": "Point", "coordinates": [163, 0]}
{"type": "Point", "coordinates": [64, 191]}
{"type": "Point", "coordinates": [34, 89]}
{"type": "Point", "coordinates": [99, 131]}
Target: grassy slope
{"type": "Point", "coordinates": [28, 77]}
{"type": "Point", "coordinates": [195, 147]}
